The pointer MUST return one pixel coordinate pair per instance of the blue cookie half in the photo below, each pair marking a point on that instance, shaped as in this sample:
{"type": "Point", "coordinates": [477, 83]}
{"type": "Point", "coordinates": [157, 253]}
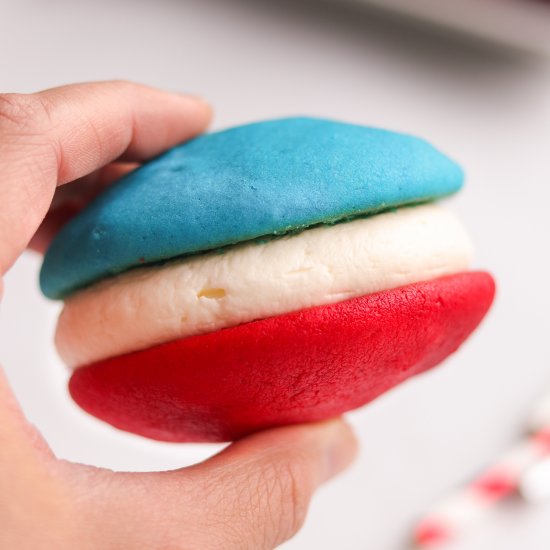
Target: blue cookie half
{"type": "Point", "coordinates": [239, 184]}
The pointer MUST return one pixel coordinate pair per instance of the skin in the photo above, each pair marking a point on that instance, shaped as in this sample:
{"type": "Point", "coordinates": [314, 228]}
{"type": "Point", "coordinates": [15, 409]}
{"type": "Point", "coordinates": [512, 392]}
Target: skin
{"type": "Point", "coordinates": [59, 148]}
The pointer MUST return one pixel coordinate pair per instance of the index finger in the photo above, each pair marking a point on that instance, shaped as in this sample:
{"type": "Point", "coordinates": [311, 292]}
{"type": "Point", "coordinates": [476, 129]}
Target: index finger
{"type": "Point", "coordinates": [64, 133]}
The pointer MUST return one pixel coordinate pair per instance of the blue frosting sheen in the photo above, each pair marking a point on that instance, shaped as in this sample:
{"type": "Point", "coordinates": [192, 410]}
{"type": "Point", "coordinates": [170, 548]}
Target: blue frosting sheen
{"type": "Point", "coordinates": [239, 184]}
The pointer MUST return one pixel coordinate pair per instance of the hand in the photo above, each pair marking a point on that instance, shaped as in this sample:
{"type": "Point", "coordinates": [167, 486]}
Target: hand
{"type": "Point", "coordinates": [252, 495]}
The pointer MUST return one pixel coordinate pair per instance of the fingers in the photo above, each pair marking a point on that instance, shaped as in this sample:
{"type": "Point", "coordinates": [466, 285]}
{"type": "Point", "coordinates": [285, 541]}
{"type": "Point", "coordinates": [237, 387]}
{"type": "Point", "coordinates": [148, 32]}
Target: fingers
{"type": "Point", "coordinates": [36, 510]}
{"type": "Point", "coordinates": [261, 486]}
{"type": "Point", "coordinates": [93, 124]}
{"type": "Point", "coordinates": [70, 199]}
{"type": "Point", "coordinates": [253, 495]}
{"type": "Point", "coordinates": [62, 134]}
{"type": "Point", "coordinates": [18, 438]}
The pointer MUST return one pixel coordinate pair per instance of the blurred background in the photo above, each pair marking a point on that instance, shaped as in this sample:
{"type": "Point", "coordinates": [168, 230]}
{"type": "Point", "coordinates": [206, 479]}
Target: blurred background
{"type": "Point", "coordinates": [475, 81]}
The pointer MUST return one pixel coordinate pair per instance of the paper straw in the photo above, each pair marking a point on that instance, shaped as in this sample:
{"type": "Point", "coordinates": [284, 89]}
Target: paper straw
{"type": "Point", "coordinates": [524, 470]}
{"type": "Point", "coordinates": [535, 482]}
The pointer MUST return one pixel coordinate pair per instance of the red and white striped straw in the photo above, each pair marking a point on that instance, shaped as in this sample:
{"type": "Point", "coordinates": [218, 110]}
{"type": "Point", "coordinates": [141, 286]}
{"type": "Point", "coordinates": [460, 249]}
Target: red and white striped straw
{"type": "Point", "coordinates": [515, 473]}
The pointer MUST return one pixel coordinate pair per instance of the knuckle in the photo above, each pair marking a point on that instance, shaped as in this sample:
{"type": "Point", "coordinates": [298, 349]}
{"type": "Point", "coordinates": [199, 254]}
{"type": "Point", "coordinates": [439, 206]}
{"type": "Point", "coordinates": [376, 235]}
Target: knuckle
{"type": "Point", "coordinates": [295, 492]}
{"type": "Point", "coordinates": [20, 111]}
{"type": "Point", "coordinates": [283, 491]}
{"type": "Point", "coordinates": [122, 86]}
{"type": "Point", "coordinates": [121, 82]}
{"type": "Point", "coordinates": [256, 508]}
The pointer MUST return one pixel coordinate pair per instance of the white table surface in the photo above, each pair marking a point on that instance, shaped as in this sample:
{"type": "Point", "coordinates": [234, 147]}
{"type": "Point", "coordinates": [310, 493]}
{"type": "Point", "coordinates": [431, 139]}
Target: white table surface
{"type": "Point", "coordinates": [489, 109]}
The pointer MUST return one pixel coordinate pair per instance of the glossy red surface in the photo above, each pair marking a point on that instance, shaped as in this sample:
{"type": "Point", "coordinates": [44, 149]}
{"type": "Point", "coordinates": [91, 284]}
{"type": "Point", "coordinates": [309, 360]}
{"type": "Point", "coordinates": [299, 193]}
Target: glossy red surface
{"type": "Point", "coordinates": [302, 366]}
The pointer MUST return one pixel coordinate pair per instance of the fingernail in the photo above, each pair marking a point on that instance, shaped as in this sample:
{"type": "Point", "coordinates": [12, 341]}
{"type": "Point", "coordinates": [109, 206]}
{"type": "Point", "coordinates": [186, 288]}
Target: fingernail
{"type": "Point", "coordinates": [199, 100]}
{"type": "Point", "coordinates": [341, 449]}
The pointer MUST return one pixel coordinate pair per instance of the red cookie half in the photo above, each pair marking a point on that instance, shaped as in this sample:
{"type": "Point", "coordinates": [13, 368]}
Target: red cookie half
{"type": "Point", "coordinates": [307, 365]}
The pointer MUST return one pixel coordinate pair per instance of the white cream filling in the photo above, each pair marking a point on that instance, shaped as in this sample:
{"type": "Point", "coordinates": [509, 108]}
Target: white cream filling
{"type": "Point", "coordinates": [322, 265]}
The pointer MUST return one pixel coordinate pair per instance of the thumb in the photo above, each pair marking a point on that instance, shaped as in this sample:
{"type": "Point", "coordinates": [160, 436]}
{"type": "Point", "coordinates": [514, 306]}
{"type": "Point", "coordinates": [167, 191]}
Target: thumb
{"type": "Point", "coordinates": [262, 485]}
{"type": "Point", "coordinates": [253, 495]}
